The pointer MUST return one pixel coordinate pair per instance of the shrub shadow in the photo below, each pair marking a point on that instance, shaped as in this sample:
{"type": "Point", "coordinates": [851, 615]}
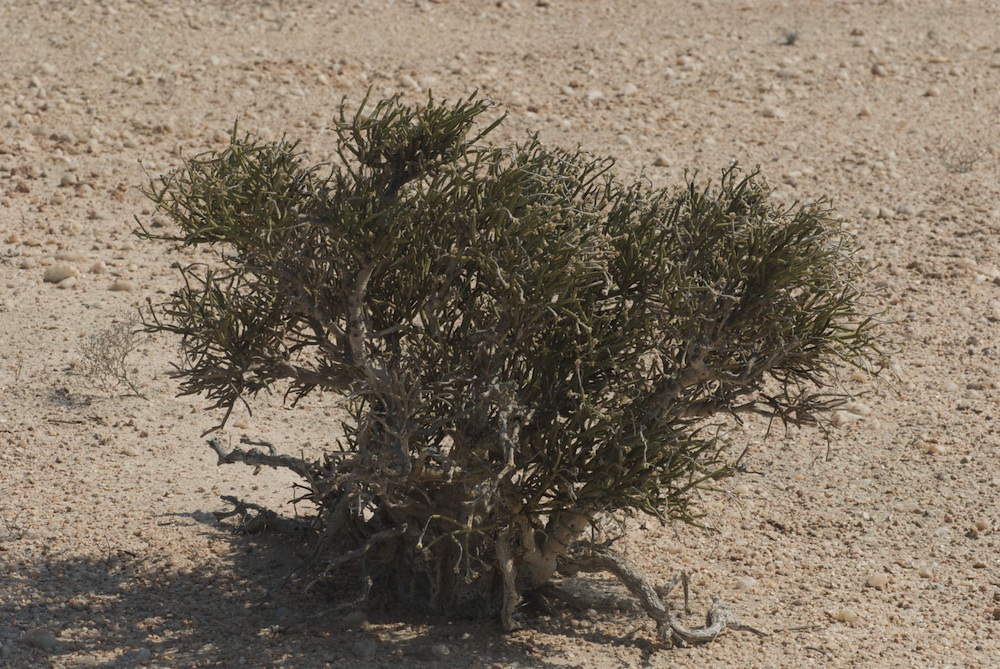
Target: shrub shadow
{"type": "Point", "coordinates": [124, 609]}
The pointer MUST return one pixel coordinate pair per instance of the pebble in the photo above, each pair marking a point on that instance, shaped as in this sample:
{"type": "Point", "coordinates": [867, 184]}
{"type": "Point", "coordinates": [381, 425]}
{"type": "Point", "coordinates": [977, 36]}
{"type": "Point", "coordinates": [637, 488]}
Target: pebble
{"type": "Point", "coordinates": [982, 524]}
{"type": "Point", "coordinates": [878, 580]}
{"type": "Point", "coordinates": [741, 489]}
{"type": "Point", "coordinates": [354, 618]}
{"type": "Point", "coordinates": [364, 649]}
{"type": "Point", "coordinates": [925, 572]}
{"type": "Point", "coordinates": [879, 70]}
{"type": "Point", "coordinates": [122, 286]}
{"type": "Point", "coordinates": [774, 112]}
{"type": "Point", "coordinates": [138, 656]}
{"type": "Point", "coordinates": [67, 283]}
{"type": "Point", "coordinates": [746, 583]}
{"type": "Point", "coordinates": [98, 268]}
{"type": "Point", "coordinates": [847, 615]}
{"type": "Point", "coordinates": [661, 161]}
{"type": "Point", "coordinates": [40, 638]}
{"type": "Point", "coordinates": [433, 652]}
{"type": "Point", "coordinates": [71, 256]}
{"type": "Point", "coordinates": [594, 95]}
{"type": "Point", "coordinates": [27, 263]}
{"type": "Point", "coordinates": [907, 506]}
{"type": "Point", "coordinates": [906, 209]}
{"type": "Point", "coordinates": [936, 449]}
{"type": "Point", "coordinates": [58, 273]}
{"type": "Point", "coordinates": [86, 661]}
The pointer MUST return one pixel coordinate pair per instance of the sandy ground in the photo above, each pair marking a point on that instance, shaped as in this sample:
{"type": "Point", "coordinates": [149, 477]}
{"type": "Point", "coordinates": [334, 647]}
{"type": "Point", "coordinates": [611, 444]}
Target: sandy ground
{"type": "Point", "coordinates": [884, 554]}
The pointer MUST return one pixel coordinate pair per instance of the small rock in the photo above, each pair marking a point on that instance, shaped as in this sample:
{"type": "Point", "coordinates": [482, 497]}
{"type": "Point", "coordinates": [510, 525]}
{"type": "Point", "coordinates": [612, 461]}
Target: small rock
{"type": "Point", "coordinates": [98, 268]}
{"type": "Point", "coordinates": [27, 263]}
{"type": "Point", "coordinates": [906, 506]}
{"type": "Point", "coordinates": [982, 524]}
{"type": "Point", "coordinates": [86, 661]}
{"type": "Point", "coordinates": [138, 656]}
{"type": "Point", "coordinates": [354, 618]}
{"type": "Point", "coordinates": [41, 638]}
{"type": "Point", "coordinates": [879, 70]}
{"type": "Point", "coordinates": [878, 580]}
{"type": "Point", "coordinates": [884, 212]}
{"type": "Point", "coordinates": [364, 649]}
{"type": "Point", "coordinates": [67, 283]}
{"type": "Point", "coordinates": [925, 572]}
{"type": "Point", "coordinates": [594, 95]}
{"type": "Point", "coordinates": [433, 652]}
{"type": "Point", "coordinates": [71, 256]}
{"type": "Point", "coordinates": [936, 449]}
{"type": "Point", "coordinates": [741, 489]}
{"type": "Point", "coordinates": [58, 273]}
{"type": "Point", "coordinates": [661, 161]}
{"type": "Point", "coordinates": [847, 615]}
{"type": "Point", "coordinates": [13, 238]}
{"type": "Point", "coordinates": [906, 209]}
{"type": "Point", "coordinates": [122, 286]}
{"type": "Point", "coordinates": [774, 112]}
{"type": "Point", "coordinates": [746, 583]}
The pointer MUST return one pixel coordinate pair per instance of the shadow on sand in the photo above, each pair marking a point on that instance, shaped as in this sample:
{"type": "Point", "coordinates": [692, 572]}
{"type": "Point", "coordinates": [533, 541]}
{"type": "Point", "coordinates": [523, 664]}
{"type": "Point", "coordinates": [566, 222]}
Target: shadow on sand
{"type": "Point", "coordinates": [231, 610]}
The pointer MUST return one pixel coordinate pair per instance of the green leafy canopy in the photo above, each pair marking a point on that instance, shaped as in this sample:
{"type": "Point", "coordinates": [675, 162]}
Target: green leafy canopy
{"type": "Point", "coordinates": [520, 332]}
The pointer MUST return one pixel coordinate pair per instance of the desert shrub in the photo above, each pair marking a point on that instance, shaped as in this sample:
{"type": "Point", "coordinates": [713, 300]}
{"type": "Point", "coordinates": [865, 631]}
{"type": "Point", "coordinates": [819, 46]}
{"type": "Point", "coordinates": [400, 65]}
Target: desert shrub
{"type": "Point", "coordinates": [104, 355]}
{"type": "Point", "coordinates": [526, 344]}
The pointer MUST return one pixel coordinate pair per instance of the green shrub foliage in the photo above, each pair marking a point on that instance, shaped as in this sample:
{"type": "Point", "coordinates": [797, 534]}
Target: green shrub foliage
{"type": "Point", "coordinates": [527, 343]}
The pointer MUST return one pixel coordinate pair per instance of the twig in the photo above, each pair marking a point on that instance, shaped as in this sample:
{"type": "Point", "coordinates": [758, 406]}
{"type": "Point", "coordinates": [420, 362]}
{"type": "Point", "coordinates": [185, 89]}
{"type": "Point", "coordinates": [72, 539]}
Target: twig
{"type": "Point", "coordinates": [255, 458]}
{"type": "Point", "coordinates": [360, 551]}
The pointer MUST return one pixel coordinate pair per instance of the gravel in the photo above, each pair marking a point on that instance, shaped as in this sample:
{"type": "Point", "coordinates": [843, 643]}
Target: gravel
{"type": "Point", "coordinates": [875, 540]}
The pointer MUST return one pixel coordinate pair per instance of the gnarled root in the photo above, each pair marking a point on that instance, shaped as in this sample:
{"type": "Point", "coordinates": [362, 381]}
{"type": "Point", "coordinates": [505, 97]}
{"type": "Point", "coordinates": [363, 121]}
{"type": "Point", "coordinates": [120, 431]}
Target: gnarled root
{"type": "Point", "coordinates": [720, 616]}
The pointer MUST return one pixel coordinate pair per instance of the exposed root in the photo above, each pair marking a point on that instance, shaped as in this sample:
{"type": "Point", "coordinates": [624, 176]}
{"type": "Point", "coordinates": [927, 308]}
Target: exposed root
{"type": "Point", "coordinates": [510, 597]}
{"type": "Point", "coordinates": [720, 616]}
{"type": "Point", "coordinates": [256, 458]}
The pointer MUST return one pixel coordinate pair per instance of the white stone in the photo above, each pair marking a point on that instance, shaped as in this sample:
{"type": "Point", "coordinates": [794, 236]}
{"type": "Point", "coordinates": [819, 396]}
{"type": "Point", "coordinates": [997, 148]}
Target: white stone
{"type": "Point", "coordinates": [59, 272]}
{"type": "Point", "coordinates": [847, 615]}
{"type": "Point", "coordinates": [122, 286]}
{"type": "Point", "coordinates": [878, 580]}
